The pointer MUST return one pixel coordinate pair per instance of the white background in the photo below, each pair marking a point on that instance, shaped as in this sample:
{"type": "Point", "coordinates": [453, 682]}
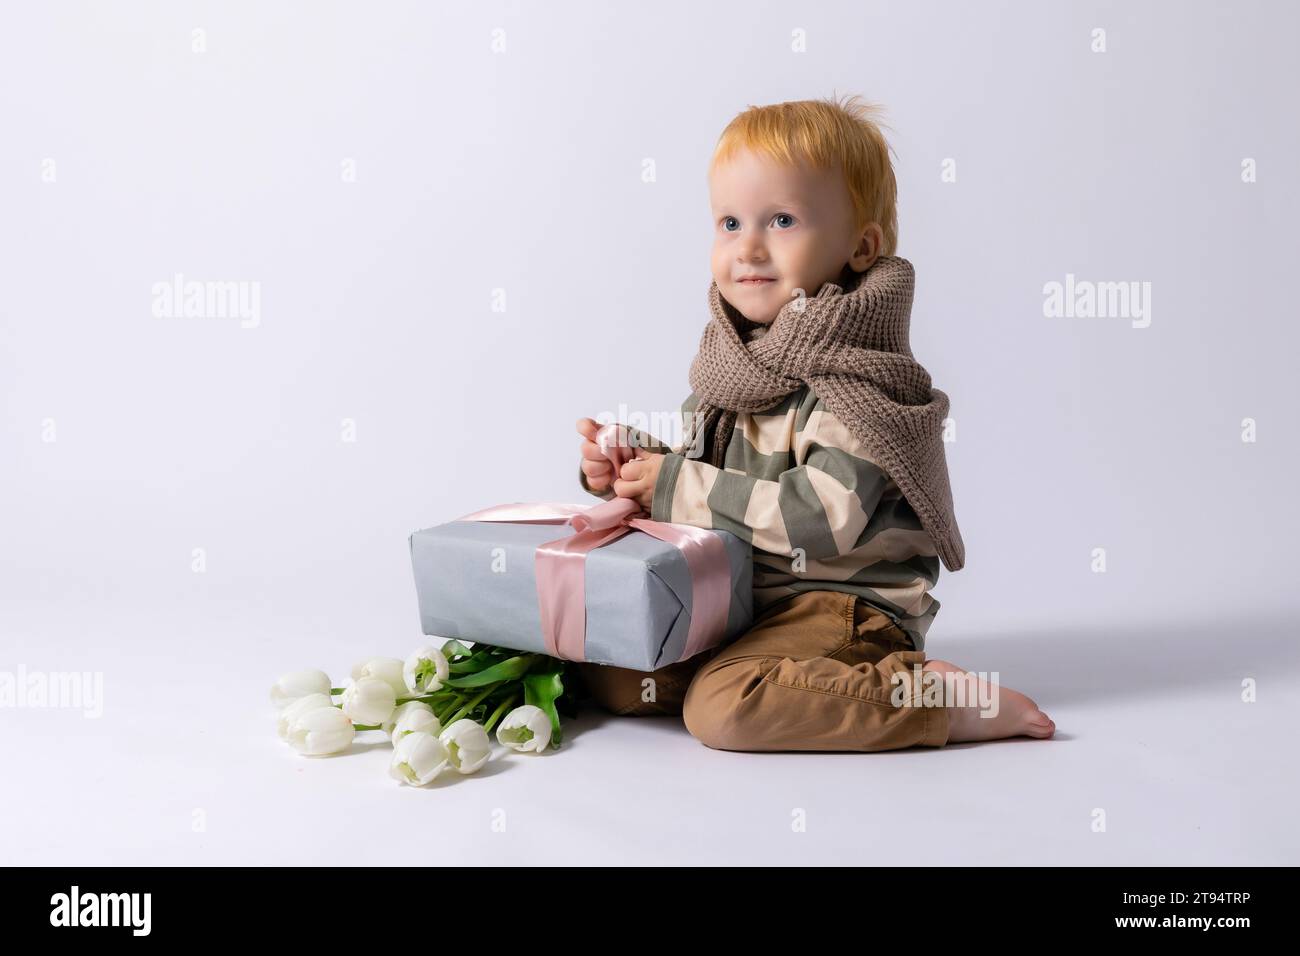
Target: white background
{"type": "Point", "coordinates": [522, 170]}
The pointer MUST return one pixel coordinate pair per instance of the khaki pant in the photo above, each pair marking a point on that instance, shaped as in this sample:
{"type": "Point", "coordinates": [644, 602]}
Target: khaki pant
{"type": "Point", "coordinates": [813, 673]}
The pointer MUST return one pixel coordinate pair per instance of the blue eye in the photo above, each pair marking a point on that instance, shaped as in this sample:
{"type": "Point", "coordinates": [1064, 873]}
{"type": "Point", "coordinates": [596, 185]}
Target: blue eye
{"type": "Point", "coordinates": [784, 215]}
{"type": "Point", "coordinates": [730, 219]}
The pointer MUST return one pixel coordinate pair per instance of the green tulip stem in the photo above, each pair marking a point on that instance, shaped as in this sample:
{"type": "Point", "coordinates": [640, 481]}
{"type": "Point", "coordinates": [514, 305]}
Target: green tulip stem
{"type": "Point", "coordinates": [501, 709]}
{"type": "Point", "coordinates": [469, 708]}
{"type": "Point", "coordinates": [456, 700]}
{"type": "Point", "coordinates": [433, 699]}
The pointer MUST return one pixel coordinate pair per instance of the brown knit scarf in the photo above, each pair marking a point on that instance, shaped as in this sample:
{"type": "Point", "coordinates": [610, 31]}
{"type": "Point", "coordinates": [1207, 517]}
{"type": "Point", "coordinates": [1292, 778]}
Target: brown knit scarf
{"type": "Point", "coordinates": [851, 348]}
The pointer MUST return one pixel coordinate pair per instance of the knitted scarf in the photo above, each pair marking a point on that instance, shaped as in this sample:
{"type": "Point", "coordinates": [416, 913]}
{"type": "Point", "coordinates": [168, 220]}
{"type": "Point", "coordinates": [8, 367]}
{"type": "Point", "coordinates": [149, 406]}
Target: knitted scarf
{"type": "Point", "coordinates": [852, 349]}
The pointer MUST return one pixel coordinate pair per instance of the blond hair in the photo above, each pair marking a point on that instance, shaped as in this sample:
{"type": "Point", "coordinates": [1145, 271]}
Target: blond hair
{"type": "Point", "coordinates": [825, 134]}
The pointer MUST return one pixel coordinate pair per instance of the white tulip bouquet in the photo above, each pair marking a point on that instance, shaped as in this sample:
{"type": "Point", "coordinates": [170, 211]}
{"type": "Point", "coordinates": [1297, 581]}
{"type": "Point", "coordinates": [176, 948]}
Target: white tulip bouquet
{"type": "Point", "coordinates": [438, 707]}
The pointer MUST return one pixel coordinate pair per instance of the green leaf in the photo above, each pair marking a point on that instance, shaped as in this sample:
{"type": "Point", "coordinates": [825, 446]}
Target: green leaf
{"type": "Point", "coordinates": [455, 648]}
{"type": "Point", "coordinates": [510, 669]}
{"type": "Point", "coordinates": [483, 657]}
{"type": "Point", "coordinates": [542, 689]}
{"type": "Point", "coordinates": [568, 704]}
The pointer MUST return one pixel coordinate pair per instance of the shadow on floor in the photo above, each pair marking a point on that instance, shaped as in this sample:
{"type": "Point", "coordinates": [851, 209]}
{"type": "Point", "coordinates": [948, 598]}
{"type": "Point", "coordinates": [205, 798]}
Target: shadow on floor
{"type": "Point", "coordinates": [1109, 661]}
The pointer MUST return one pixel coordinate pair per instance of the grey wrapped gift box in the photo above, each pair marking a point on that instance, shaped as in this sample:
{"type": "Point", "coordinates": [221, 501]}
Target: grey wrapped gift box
{"type": "Point", "coordinates": [475, 581]}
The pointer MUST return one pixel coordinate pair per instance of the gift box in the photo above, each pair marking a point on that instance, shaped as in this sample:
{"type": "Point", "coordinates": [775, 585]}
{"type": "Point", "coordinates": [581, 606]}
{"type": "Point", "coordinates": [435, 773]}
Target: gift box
{"type": "Point", "coordinates": [597, 584]}
{"type": "Point", "coordinates": [603, 584]}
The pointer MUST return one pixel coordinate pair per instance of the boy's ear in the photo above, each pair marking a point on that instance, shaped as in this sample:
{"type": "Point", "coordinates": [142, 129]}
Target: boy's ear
{"type": "Point", "coordinates": [868, 248]}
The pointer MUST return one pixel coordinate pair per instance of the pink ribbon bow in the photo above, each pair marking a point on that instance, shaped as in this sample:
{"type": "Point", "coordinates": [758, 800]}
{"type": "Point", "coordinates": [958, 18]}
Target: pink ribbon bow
{"type": "Point", "coordinates": [561, 564]}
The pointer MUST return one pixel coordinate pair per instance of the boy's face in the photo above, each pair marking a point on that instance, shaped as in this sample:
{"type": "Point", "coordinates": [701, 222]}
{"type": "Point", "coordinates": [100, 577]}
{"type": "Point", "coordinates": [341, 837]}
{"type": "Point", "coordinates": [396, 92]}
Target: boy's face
{"type": "Point", "coordinates": [792, 227]}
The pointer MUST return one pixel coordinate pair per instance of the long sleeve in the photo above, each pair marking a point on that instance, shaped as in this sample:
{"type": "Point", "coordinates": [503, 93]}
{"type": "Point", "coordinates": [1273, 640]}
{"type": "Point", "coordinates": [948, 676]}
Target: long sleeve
{"type": "Point", "coordinates": [820, 508]}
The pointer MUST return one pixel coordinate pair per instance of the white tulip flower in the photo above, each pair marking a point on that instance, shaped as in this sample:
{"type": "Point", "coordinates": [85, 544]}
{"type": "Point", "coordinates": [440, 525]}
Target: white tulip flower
{"type": "Point", "coordinates": [401, 711]}
{"type": "Point", "coordinates": [386, 669]}
{"type": "Point", "coordinates": [526, 729]}
{"type": "Point", "coordinates": [369, 700]}
{"type": "Point", "coordinates": [467, 745]}
{"type": "Point", "coordinates": [425, 670]}
{"type": "Point", "coordinates": [290, 687]}
{"type": "Point", "coordinates": [419, 718]}
{"type": "Point", "coordinates": [320, 731]}
{"type": "Point", "coordinates": [299, 707]}
{"type": "Point", "coordinates": [418, 758]}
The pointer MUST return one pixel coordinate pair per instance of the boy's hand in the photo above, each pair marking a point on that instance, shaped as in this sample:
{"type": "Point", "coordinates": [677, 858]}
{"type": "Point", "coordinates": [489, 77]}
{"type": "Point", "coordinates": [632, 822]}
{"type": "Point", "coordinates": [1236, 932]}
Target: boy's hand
{"type": "Point", "coordinates": [595, 465]}
{"type": "Point", "coordinates": [638, 477]}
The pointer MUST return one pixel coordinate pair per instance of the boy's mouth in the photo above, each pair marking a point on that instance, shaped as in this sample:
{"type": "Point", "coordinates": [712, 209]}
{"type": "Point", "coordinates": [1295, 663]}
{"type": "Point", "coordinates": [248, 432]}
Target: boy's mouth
{"type": "Point", "coordinates": [755, 280]}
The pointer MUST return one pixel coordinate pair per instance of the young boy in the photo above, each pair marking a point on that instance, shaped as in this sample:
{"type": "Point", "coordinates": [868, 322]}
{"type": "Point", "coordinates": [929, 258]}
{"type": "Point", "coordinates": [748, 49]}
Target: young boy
{"type": "Point", "coordinates": [817, 437]}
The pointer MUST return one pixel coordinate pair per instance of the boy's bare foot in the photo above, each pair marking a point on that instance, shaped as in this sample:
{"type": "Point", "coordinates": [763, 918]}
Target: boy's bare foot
{"type": "Point", "coordinates": [1016, 715]}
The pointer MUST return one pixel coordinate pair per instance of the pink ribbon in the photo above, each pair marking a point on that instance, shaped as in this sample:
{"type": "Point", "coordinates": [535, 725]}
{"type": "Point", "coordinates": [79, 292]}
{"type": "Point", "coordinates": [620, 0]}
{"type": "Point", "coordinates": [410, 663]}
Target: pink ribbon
{"type": "Point", "coordinates": [561, 564]}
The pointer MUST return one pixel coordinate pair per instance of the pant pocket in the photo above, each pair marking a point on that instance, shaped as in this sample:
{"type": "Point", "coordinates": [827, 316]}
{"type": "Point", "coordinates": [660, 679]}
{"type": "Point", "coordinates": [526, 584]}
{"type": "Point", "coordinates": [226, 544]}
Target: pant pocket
{"type": "Point", "coordinates": [878, 626]}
